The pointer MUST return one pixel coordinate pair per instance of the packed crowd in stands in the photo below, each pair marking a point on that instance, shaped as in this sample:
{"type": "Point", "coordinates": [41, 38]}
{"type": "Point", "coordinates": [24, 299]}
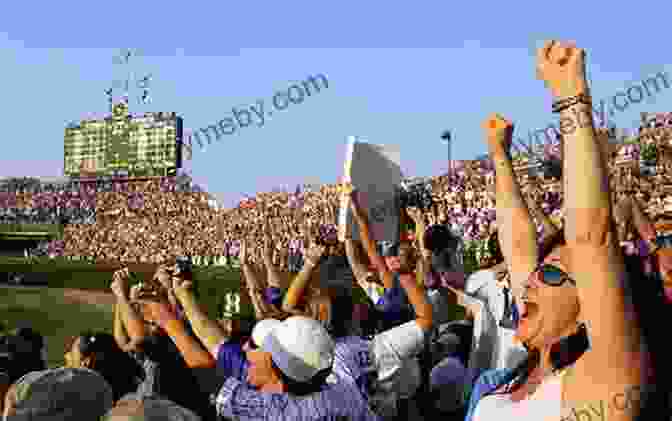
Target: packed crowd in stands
{"type": "Point", "coordinates": [133, 220]}
{"type": "Point", "coordinates": [563, 317]}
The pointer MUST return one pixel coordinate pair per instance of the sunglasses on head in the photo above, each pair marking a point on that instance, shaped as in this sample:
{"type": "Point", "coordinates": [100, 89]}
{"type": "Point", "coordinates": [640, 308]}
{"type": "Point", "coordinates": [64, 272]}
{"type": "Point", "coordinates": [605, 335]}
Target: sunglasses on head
{"type": "Point", "coordinates": [552, 275]}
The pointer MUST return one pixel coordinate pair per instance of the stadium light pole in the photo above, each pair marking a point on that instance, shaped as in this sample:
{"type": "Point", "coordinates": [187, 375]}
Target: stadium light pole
{"type": "Point", "coordinates": [446, 138]}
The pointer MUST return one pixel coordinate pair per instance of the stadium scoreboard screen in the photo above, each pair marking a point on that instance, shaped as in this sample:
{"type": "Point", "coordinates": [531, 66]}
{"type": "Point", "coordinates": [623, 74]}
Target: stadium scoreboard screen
{"type": "Point", "coordinates": [140, 145]}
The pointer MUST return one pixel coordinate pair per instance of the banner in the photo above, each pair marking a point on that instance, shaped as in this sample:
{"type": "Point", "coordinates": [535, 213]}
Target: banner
{"type": "Point", "coordinates": [375, 172]}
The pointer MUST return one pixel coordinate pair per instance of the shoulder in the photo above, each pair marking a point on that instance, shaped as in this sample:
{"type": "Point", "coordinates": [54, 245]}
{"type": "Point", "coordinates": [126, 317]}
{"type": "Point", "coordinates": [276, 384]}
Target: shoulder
{"type": "Point", "coordinates": [231, 360]}
{"type": "Point", "coordinates": [479, 279]}
{"type": "Point", "coordinates": [236, 400]}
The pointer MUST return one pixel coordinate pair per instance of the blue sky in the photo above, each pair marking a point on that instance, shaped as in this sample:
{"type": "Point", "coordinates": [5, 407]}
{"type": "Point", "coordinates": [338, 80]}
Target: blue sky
{"type": "Point", "coordinates": [398, 74]}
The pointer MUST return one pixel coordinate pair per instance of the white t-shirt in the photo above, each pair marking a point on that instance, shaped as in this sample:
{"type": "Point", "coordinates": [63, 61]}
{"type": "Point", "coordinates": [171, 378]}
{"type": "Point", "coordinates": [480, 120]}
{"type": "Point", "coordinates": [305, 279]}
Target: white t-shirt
{"type": "Point", "coordinates": [506, 351]}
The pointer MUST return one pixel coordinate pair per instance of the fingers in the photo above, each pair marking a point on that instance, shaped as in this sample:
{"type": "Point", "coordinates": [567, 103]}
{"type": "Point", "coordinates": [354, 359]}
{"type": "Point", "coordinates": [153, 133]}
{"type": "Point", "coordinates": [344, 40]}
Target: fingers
{"type": "Point", "coordinates": [544, 53]}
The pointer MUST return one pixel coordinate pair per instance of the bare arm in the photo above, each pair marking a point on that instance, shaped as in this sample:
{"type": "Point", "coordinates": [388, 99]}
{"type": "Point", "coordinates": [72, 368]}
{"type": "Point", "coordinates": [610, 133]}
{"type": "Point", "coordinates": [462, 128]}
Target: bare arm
{"type": "Point", "coordinates": [209, 332]}
{"type": "Point", "coordinates": [420, 227]}
{"type": "Point", "coordinates": [298, 286]}
{"type": "Point", "coordinates": [120, 335]}
{"type": "Point", "coordinates": [418, 299]}
{"type": "Point", "coordinates": [134, 325]}
{"type": "Point", "coordinates": [359, 269]}
{"type": "Point", "coordinates": [192, 351]}
{"type": "Point", "coordinates": [132, 321]}
{"type": "Point", "coordinates": [548, 228]}
{"type": "Point", "coordinates": [471, 304]}
{"type": "Point", "coordinates": [594, 256]}
{"type": "Point", "coordinates": [369, 245]}
{"type": "Point", "coordinates": [517, 233]}
{"type": "Point", "coordinates": [272, 273]}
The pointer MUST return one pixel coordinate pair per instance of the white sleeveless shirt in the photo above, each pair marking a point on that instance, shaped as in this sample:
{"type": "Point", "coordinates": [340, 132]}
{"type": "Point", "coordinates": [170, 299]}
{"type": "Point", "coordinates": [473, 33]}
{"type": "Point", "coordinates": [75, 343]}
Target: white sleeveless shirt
{"type": "Point", "coordinates": [545, 404]}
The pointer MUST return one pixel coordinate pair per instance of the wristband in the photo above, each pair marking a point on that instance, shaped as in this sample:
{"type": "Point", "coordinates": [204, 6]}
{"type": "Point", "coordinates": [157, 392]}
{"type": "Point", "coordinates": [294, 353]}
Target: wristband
{"type": "Point", "coordinates": [565, 103]}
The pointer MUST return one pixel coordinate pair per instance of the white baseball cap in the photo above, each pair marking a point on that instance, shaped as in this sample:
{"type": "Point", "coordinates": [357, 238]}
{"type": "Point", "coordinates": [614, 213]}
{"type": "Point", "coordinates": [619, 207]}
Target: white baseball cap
{"type": "Point", "coordinates": [262, 328]}
{"type": "Point", "coordinates": [299, 346]}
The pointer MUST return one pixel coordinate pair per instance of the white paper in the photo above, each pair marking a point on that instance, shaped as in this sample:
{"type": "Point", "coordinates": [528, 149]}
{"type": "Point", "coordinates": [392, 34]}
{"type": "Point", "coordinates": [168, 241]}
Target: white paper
{"type": "Point", "coordinates": [375, 172]}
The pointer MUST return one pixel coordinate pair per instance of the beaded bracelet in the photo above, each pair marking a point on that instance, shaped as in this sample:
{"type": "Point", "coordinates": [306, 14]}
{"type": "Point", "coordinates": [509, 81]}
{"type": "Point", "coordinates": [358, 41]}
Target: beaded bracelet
{"type": "Point", "coordinates": [565, 103]}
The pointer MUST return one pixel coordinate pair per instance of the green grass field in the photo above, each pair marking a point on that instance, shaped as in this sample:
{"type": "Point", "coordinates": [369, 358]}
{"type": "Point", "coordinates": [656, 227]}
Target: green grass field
{"type": "Point", "coordinates": [47, 311]}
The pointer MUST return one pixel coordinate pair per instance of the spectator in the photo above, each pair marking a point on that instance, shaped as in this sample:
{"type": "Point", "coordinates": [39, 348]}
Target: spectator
{"type": "Point", "coordinates": [99, 352]}
{"type": "Point", "coordinates": [149, 409]}
{"type": "Point", "coordinates": [58, 394]}
{"type": "Point", "coordinates": [168, 366]}
{"type": "Point", "coordinates": [568, 301]}
{"type": "Point", "coordinates": [387, 355]}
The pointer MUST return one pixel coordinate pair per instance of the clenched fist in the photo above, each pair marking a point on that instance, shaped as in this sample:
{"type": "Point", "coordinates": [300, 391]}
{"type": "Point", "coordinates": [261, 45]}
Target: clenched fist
{"type": "Point", "coordinates": [498, 133]}
{"type": "Point", "coordinates": [561, 65]}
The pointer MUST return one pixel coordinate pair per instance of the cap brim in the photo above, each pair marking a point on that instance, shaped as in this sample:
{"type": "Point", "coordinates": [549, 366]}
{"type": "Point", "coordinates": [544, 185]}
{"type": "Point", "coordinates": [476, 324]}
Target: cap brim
{"type": "Point", "coordinates": [262, 329]}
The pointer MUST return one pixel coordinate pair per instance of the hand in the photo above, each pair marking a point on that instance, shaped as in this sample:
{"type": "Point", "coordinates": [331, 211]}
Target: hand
{"type": "Point", "coordinates": [345, 189]}
{"type": "Point", "coordinates": [181, 287]}
{"type": "Point", "coordinates": [315, 253]}
{"type": "Point", "coordinates": [561, 65]}
{"type": "Point", "coordinates": [157, 312]}
{"type": "Point", "coordinates": [498, 132]}
{"type": "Point", "coordinates": [119, 284]}
{"type": "Point", "coordinates": [135, 292]}
{"type": "Point", "coordinates": [416, 215]}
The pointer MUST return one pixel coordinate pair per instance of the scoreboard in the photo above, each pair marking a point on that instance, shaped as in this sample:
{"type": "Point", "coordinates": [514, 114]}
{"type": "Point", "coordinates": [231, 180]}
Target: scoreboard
{"type": "Point", "coordinates": [137, 145]}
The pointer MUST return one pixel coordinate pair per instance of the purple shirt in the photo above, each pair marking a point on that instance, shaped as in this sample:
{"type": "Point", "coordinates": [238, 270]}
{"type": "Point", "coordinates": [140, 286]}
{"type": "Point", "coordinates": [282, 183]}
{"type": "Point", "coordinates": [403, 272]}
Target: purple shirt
{"type": "Point", "coordinates": [231, 361]}
{"type": "Point", "coordinates": [342, 398]}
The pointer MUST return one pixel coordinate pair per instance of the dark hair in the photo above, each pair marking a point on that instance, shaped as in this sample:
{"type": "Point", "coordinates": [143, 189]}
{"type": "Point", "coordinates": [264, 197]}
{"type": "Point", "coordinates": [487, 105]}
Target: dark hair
{"type": "Point", "coordinates": [494, 250]}
{"type": "Point", "coordinates": [342, 310]}
{"type": "Point", "coordinates": [649, 306]}
{"type": "Point", "coordinates": [116, 367]}
{"type": "Point", "coordinates": [563, 354]}
{"type": "Point", "coordinates": [438, 237]}
{"type": "Point", "coordinates": [297, 388]}
{"type": "Point", "coordinates": [551, 243]}
{"type": "Point", "coordinates": [18, 360]}
{"type": "Point", "coordinates": [567, 350]}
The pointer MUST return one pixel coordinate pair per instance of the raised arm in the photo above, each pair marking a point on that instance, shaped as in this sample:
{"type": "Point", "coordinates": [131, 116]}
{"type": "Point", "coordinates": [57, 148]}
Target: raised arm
{"type": "Point", "coordinates": [297, 288]}
{"type": "Point", "coordinates": [367, 241]}
{"type": "Point", "coordinates": [191, 350]}
{"type": "Point", "coordinates": [272, 274]}
{"type": "Point", "coordinates": [420, 226]}
{"type": "Point", "coordinates": [517, 233]}
{"type": "Point", "coordinates": [131, 319]}
{"type": "Point", "coordinates": [119, 331]}
{"type": "Point", "coordinates": [595, 259]}
{"type": "Point", "coordinates": [209, 332]}
{"type": "Point", "coordinates": [549, 230]}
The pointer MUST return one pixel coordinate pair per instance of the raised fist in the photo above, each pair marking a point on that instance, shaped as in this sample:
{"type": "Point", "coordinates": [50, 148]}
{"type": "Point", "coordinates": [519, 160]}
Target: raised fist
{"type": "Point", "coordinates": [561, 65]}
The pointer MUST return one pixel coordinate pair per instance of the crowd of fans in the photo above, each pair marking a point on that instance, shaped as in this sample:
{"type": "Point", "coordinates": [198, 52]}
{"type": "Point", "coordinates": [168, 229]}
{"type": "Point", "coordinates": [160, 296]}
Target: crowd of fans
{"type": "Point", "coordinates": [133, 220]}
{"type": "Point", "coordinates": [562, 317]}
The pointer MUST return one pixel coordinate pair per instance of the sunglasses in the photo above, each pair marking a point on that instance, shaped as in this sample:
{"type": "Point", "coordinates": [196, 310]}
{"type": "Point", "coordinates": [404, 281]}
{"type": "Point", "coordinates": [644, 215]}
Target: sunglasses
{"type": "Point", "coordinates": [552, 275]}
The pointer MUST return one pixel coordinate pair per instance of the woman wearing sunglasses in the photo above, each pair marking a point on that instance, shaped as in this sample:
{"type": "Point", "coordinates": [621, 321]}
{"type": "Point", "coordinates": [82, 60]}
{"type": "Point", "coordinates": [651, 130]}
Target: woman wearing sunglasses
{"type": "Point", "coordinates": [576, 319]}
